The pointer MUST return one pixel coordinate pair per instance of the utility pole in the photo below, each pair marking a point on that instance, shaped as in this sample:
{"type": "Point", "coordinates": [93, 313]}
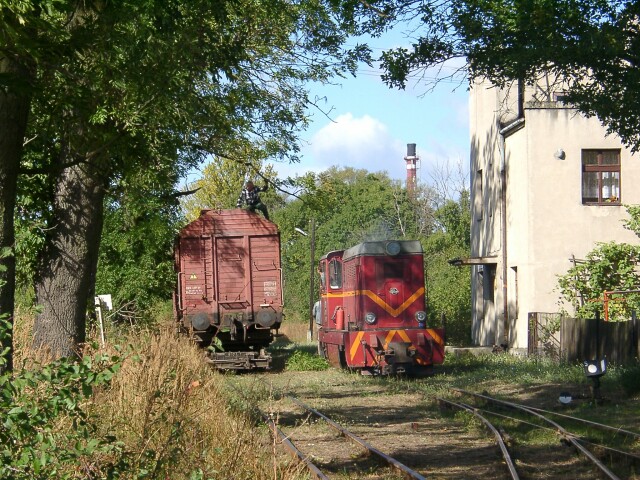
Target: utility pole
{"type": "Point", "coordinates": [311, 280]}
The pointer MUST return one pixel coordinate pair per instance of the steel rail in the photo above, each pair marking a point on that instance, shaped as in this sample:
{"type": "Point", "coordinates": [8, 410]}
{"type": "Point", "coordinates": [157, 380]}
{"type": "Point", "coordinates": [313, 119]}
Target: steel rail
{"type": "Point", "coordinates": [496, 433]}
{"type": "Point", "coordinates": [406, 471]}
{"type": "Point", "coordinates": [289, 445]}
{"type": "Point", "coordinates": [560, 430]}
{"type": "Point", "coordinates": [589, 422]}
{"type": "Point", "coordinates": [578, 437]}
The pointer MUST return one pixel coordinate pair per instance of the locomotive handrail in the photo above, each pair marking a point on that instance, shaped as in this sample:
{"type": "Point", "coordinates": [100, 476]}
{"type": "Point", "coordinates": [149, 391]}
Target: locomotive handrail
{"type": "Point", "coordinates": [281, 287]}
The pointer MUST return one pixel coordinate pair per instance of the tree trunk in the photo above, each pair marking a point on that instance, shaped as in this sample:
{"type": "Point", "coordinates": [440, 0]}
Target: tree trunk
{"type": "Point", "coordinates": [14, 111]}
{"type": "Point", "coordinates": [65, 285]}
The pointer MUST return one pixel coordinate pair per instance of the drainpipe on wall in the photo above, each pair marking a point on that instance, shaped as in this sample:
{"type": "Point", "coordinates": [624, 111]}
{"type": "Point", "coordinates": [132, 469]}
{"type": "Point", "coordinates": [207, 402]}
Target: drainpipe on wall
{"type": "Point", "coordinates": [504, 133]}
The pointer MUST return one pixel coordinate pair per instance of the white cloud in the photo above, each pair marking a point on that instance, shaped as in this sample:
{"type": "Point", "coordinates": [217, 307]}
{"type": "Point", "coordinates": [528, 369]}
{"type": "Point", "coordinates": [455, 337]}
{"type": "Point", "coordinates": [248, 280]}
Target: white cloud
{"type": "Point", "coordinates": [359, 142]}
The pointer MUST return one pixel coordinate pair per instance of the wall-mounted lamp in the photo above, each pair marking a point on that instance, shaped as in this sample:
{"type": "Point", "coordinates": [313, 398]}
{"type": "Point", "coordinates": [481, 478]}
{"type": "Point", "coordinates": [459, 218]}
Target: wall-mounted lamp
{"type": "Point", "coordinates": [559, 154]}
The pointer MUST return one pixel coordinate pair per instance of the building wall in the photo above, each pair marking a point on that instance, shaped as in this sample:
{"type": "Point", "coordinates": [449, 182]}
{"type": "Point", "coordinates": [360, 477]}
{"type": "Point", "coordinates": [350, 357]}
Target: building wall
{"type": "Point", "coordinates": [546, 222]}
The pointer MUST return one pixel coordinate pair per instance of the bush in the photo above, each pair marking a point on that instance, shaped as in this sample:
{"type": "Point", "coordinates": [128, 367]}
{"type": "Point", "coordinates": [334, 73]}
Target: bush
{"type": "Point", "coordinates": [46, 432]}
{"type": "Point", "coordinates": [301, 361]}
{"type": "Point", "coordinates": [630, 379]}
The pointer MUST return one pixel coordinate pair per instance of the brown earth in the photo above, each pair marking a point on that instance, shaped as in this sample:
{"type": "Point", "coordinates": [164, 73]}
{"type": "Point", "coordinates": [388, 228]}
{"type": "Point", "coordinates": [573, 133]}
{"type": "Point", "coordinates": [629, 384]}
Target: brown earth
{"type": "Point", "coordinates": [417, 431]}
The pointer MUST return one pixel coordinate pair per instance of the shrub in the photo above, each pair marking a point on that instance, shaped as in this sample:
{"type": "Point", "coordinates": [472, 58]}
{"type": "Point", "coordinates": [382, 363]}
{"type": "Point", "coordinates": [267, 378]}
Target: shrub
{"type": "Point", "coordinates": [630, 379]}
{"type": "Point", "coordinates": [301, 361]}
{"type": "Point", "coordinates": [46, 432]}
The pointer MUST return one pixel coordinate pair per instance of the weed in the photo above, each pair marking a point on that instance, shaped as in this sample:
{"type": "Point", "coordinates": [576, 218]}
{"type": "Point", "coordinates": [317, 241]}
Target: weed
{"type": "Point", "coordinates": [304, 361]}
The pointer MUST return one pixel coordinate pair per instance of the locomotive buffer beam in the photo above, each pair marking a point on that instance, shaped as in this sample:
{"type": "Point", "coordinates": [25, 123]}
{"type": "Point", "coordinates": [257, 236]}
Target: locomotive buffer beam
{"type": "Point", "coordinates": [400, 352]}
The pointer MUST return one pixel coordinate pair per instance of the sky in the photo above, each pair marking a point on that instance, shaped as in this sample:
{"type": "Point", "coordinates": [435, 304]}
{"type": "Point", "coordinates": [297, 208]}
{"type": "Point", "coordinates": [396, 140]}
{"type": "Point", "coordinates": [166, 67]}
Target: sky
{"type": "Point", "coordinates": [370, 125]}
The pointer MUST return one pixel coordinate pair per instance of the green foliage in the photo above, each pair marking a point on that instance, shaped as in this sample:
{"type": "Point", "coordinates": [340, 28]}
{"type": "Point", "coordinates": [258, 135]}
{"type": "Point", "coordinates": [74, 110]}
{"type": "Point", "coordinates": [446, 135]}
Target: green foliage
{"type": "Point", "coordinates": [348, 206]}
{"type": "Point", "coordinates": [221, 183]}
{"type": "Point", "coordinates": [351, 206]}
{"type": "Point", "coordinates": [135, 261]}
{"type": "Point", "coordinates": [36, 404]}
{"type": "Point", "coordinates": [469, 369]}
{"type": "Point", "coordinates": [135, 93]}
{"type": "Point", "coordinates": [609, 266]}
{"type": "Point", "coordinates": [301, 361]}
{"type": "Point", "coordinates": [629, 378]}
{"type": "Point", "coordinates": [633, 223]}
{"type": "Point", "coordinates": [448, 287]}
{"type": "Point", "coordinates": [587, 43]}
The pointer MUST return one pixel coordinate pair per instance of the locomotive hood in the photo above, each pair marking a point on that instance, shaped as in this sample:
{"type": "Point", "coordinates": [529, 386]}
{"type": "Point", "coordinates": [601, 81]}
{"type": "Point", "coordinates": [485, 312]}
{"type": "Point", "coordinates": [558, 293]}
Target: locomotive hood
{"type": "Point", "coordinates": [391, 247]}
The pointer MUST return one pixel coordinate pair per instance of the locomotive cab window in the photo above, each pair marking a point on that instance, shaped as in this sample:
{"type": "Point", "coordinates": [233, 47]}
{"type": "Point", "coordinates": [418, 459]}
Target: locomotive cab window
{"type": "Point", "coordinates": [321, 269]}
{"type": "Point", "coordinates": [393, 270]}
{"type": "Point", "coordinates": [335, 274]}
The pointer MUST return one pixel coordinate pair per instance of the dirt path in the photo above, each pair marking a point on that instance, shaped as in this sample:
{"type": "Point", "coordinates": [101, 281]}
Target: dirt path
{"type": "Point", "coordinates": [401, 423]}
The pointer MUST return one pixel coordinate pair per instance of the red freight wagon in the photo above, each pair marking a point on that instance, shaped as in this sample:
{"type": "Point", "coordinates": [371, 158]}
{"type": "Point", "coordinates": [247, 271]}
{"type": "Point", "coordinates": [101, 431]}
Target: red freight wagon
{"type": "Point", "coordinates": [229, 288]}
{"type": "Point", "coordinates": [373, 310]}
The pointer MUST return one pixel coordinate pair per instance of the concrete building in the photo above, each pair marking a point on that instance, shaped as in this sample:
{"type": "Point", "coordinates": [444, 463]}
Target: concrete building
{"type": "Point", "coordinates": [547, 183]}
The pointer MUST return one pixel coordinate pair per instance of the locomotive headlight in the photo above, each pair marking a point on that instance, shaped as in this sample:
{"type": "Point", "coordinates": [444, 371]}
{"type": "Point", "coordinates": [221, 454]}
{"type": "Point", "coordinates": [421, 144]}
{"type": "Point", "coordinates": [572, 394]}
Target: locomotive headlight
{"type": "Point", "coordinates": [421, 316]}
{"type": "Point", "coordinates": [392, 248]}
{"type": "Point", "coordinates": [370, 318]}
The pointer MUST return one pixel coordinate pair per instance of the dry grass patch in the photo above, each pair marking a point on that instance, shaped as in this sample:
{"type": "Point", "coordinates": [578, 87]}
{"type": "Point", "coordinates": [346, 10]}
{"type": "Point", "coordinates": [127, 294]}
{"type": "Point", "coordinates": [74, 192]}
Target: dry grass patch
{"type": "Point", "coordinates": [166, 413]}
{"type": "Point", "coordinates": [171, 411]}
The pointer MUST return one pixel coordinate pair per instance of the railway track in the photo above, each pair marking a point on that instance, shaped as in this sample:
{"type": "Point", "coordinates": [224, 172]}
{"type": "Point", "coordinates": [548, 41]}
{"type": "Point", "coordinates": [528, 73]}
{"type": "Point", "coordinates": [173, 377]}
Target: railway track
{"type": "Point", "coordinates": [404, 427]}
{"type": "Point", "coordinates": [498, 436]}
{"type": "Point", "coordinates": [372, 446]}
{"type": "Point", "coordinates": [368, 449]}
{"type": "Point", "coordinates": [581, 443]}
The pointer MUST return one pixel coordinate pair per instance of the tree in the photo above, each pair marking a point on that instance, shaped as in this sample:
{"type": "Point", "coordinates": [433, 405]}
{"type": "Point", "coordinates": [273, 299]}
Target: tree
{"type": "Point", "coordinates": [9, 161]}
{"type": "Point", "coordinates": [449, 288]}
{"type": "Point", "coordinates": [348, 206]}
{"type": "Point", "coordinates": [609, 266]}
{"type": "Point", "coordinates": [592, 46]}
{"type": "Point", "coordinates": [154, 86]}
{"type": "Point", "coordinates": [14, 109]}
{"type": "Point", "coordinates": [135, 263]}
{"type": "Point", "coordinates": [221, 183]}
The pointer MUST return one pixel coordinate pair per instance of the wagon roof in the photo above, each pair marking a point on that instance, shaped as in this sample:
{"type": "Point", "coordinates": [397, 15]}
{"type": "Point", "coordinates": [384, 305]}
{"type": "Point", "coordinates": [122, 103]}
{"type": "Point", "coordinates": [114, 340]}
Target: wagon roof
{"type": "Point", "coordinates": [380, 248]}
{"type": "Point", "coordinates": [231, 222]}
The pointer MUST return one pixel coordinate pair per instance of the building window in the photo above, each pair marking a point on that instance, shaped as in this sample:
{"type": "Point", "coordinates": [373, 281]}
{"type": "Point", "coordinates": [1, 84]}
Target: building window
{"type": "Point", "coordinates": [601, 177]}
{"type": "Point", "coordinates": [560, 98]}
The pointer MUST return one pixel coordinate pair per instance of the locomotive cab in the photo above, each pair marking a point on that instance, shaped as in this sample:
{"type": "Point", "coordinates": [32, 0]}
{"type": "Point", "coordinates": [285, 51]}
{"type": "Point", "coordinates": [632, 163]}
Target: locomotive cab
{"type": "Point", "coordinates": [374, 310]}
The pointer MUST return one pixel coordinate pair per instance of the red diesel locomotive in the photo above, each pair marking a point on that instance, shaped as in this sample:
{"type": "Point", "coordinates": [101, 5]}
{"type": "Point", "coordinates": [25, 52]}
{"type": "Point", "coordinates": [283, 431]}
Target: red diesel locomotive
{"type": "Point", "coordinates": [229, 288]}
{"type": "Point", "coordinates": [373, 310]}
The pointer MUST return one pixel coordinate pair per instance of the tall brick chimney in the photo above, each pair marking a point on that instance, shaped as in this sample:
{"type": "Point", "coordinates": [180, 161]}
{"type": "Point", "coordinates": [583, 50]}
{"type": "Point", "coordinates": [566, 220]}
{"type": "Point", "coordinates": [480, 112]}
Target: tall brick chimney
{"type": "Point", "coordinates": [411, 160]}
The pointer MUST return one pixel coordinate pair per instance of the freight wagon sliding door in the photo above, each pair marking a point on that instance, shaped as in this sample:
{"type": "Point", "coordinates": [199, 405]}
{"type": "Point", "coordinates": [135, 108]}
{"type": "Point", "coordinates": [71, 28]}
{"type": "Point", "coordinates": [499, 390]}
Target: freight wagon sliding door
{"type": "Point", "coordinates": [233, 281]}
{"type": "Point", "coordinates": [265, 271]}
{"type": "Point", "coordinates": [196, 269]}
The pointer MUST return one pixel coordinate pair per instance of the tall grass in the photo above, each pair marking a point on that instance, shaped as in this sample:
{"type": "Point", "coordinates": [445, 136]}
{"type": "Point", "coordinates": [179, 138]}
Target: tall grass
{"type": "Point", "coordinates": [171, 411]}
{"type": "Point", "coordinates": [169, 415]}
